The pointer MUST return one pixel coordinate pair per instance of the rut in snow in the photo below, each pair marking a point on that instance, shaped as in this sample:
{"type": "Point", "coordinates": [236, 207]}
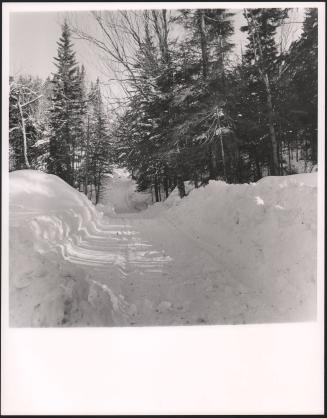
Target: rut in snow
{"type": "Point", "coordinates": [116, 245]}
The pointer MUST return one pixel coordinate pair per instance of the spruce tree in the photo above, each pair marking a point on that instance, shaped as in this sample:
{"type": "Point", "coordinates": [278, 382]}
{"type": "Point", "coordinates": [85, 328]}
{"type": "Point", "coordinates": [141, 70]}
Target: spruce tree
{"type": "Point", "coordinates": [301, 102]}
{"type": "Point", "coordinates": [79, 125]}
{"type": "Point", "coordinates": [98, 151]}
{"type": "Point", "coordinates": [205, 54]}
{"type": "Point", "coordinates": [261, 58]}
{"type": "Point", "coordinates": [65, 113]}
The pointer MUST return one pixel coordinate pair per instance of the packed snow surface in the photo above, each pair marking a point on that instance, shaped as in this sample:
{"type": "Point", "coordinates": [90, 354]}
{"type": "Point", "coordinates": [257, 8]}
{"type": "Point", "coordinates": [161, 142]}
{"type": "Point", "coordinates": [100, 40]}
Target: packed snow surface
{"type": "Point", "coordinates": [225, 254]}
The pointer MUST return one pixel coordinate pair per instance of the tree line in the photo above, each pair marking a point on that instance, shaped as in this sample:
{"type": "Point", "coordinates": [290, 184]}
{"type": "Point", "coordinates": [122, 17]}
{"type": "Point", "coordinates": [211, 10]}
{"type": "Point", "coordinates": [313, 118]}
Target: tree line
{"type": "Point", "coordinates": [60, 125]}
{"type": "Point", "coordinates": [189, 112]}
{"type": "Point", "coordinates": [196, 116]}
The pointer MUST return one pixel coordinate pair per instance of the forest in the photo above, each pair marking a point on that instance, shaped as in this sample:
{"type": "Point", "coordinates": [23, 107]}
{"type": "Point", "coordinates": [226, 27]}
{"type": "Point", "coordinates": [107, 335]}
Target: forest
{"type": "Point", "coordinates": [188, 113]}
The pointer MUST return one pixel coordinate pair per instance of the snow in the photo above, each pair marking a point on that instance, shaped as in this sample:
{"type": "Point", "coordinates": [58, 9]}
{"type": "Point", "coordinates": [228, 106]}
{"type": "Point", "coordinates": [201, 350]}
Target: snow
{"type": "Point", "coordinates": [263, 235]}
{"type": "Point", "coordinates": [225, 254]}
{"type": "Point", "coordinates": [34, 190]}
{"type": "Point", "coordinates": [41, 142]}
{"type": "Point", "coordinates": [300, 165]}
{"type": "Point", "coordinates": [120, 194]}
{"type": "Point", "coordinates": [46, 215]}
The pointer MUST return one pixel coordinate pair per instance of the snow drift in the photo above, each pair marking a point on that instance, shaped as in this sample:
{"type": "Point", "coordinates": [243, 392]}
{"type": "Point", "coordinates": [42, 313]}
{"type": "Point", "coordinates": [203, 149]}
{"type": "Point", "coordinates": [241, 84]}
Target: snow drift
{"type": "Point", "coordinates": [48, 219]}
{"type": "Point", "coordinates": [263, 234]}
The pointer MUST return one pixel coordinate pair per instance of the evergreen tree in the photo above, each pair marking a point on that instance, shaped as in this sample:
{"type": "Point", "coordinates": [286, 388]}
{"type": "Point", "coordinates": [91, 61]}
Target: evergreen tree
{"type": "Point", "coordinates": [205, 93]}
{"type": "Point", "coordinates": [208, 37]}
{"type": "Point", "coordinates": [79, 124]}
{"type": "Point", "coordinates": [145, 126]}
{"type": "Point", "coordinates": [192, 115]}
{"type": "Point", "coordinates": [299, 103]}
{"type": "Point", "coordinates": [98, 156]}
{"type": "Point", "coordinates": [172, 119]}
{"type": "Point", "coordinates": [65, 114]}
{"type": "Point", "coordinates": [261, 60]}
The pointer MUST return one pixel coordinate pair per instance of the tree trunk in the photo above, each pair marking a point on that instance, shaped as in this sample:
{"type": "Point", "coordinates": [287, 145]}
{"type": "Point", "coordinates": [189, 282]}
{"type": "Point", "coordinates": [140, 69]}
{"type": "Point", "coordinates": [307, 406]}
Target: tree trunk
{"type": "Point", "coordinates": [159, 189]}
{"type": "Point", "coordinates": [181, 186]}
{"type": "Point", "coordinates": [204, 49]}
{"type": "Point", "coordinates": [274, 145]}
{"type": "Point", "coordinates": [257, 43]}
{"type": "Point", "coordinates": [196, 181]}
{"type": "Point", "coordinates": [258, 170]}
{"type": "Point", "coordinates": [237, 160]}
{"type": "Point", "coordinates": [97, 195]}
{"type": "Point", "coordinates": [174, 183]}
{"type": "Point", "coordinates": [156, 191]}
{"type": "Point", "coordinates": [213, 165]}
{"type": "Point", "coordinates": [166, 186]}
{"type": "Point", "coordinates": [87, 155]}
{"type": "Point", "coordinates": [221, 146]}
{"type": "Point", "coordinates": [223, 157]}
{"type": "Point", "coordinates": [24, 135]}
{"type": "Point", "coordinates": [73, 164]}
{"type": "Point", "coordinates": [314, 149]}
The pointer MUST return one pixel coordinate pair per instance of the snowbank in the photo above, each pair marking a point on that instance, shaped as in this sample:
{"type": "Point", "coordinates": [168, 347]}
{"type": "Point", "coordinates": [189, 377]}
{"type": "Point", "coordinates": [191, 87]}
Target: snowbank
{"type": "Point", "coordinates": [262, 234]}
{"type": "Point", "coordinates": [53, 211]}
{"type": "Point", "coordinates": [259, 239]}
{"type": "Point", "coordinates": [47, 219]}
{"type": "Point", "coordinates": [33, 190]}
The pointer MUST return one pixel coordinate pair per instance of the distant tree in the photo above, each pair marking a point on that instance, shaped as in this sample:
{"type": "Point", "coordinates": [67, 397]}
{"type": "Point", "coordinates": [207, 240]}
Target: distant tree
{"type": "Point", "coordinates": [98, 155]}
{"type": "Point", "coordinates": [79, 125]}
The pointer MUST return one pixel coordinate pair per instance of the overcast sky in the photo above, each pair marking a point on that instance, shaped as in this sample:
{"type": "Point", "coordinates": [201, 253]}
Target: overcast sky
{"type": "Point", "coordinates": [34, 36]}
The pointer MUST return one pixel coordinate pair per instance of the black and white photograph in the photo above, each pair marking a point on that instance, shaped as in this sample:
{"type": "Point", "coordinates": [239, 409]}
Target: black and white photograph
{"type": "Point", "coordinates": [171, 178]}
{"type": "Point", "coordinates": [163, 166]}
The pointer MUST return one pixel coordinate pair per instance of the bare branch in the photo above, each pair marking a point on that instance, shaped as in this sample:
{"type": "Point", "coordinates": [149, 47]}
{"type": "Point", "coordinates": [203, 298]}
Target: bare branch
{"type": "Point", "coordinates": [14, 128]}
{"type": "Point", "coordinates": [31, 101]}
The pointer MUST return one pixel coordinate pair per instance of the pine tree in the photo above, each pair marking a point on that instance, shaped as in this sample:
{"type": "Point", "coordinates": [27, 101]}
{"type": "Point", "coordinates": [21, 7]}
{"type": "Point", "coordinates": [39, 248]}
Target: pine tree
{"type": "Point", "coordinates": [65, 114]}
{"type": "Point", "coordinates": [172, 119]}
{"type": "Point", "coordinates": [261, 57]}
{"type": "Point", "coordinates": [79, 125]}
{"type": "Point", "coordinates": [209, 32]}
{"type": "Point", "coordinates": [205, 92]}
{"type": "Point", "coordinates": [98, 157]}
{"type": "Point", "coordinates": [193, 116]}
{"type": "Point", "coordinates": [148, 117]}
{"type": "Point", "coordinates": [300, 104]}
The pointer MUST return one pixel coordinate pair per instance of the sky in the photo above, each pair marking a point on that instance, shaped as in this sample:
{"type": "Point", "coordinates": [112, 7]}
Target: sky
{"type": "Point", "coordinates": [33, 37]}
{"type": "Point", "coordinates": [33, 40]}
{"type": "Point", "coordinates": [33, 44]}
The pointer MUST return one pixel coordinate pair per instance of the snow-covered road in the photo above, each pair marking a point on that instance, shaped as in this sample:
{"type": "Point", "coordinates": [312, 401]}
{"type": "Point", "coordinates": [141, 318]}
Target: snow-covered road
{"type": "Point", "coordinates": [133, 267]}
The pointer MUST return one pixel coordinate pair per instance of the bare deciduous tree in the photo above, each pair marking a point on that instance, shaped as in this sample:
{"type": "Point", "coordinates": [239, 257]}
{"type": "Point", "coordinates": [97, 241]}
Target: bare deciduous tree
{"type": "Point", "coordinates": [24, 97]}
